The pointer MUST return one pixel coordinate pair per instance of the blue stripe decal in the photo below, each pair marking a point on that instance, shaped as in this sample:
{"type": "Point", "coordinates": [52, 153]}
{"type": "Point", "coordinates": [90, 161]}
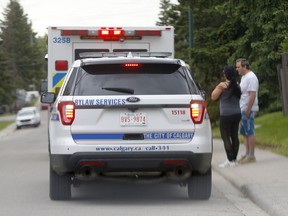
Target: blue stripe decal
{"type": "Point", "coordinates": [147, 136]}
{"type": "Point", "coordinates": [55, 117]}
{"type": "Point", "coordinates": [98, 136]}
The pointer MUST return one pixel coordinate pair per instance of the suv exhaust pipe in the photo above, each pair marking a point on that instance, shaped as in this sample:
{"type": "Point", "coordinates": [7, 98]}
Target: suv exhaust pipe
{"type": "Point", "coordinates": [179, 173]}
{"type": "Point", "coordinates": [86, 173]}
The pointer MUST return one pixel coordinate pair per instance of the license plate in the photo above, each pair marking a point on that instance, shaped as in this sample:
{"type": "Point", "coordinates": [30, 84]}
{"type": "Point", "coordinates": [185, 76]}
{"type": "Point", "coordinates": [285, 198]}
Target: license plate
{"type": "Point", "coordinates": [133, 119]}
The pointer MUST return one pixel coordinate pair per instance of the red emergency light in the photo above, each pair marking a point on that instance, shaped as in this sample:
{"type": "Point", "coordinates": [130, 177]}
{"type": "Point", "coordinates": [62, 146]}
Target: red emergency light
{"type": "Point", "coordinates": [61, 65]}
{"type": "Point", "coordinates": [78, 32]}
{"type": "Point", "coordinates": [111, 32]}
{"type": "Point", "coordinates": [147, 32]}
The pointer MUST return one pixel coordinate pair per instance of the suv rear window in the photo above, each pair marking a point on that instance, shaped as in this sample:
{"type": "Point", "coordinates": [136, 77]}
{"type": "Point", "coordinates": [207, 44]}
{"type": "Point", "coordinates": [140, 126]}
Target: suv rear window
{"type": "Point", "coordinates": [140, 79]}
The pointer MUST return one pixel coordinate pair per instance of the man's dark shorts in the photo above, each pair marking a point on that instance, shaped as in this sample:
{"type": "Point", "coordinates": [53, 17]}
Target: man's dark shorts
{"type": "Point", "coordinates": [247, 124]}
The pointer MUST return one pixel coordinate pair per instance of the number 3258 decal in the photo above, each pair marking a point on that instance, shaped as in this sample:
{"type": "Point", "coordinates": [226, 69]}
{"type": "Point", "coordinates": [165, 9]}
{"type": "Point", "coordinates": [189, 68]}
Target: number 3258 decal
{"type": "Point", "coordinates": [61, 40]}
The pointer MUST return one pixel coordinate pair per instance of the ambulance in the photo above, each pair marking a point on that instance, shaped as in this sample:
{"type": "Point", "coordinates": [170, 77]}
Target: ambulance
{"type": "Point", "coordinates": [65, 45]}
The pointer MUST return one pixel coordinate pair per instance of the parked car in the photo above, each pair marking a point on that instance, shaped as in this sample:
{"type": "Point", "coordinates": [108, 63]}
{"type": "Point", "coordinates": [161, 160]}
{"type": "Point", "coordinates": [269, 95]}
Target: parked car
{"type": "Point", "coordinates": [28, 116]}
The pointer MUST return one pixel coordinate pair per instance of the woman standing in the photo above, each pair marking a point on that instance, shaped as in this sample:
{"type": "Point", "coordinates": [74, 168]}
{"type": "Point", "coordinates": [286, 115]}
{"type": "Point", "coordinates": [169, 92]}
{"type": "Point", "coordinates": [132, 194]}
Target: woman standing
{"type": "Point", "coordinates": [229, 93]}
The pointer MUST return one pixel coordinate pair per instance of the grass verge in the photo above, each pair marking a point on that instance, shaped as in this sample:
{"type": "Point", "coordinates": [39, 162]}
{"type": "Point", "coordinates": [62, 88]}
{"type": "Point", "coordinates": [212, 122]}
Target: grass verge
{"type": "Point", "coordinates": [270, 131]}
{"type": "Point", "coordinates": [4, 124]}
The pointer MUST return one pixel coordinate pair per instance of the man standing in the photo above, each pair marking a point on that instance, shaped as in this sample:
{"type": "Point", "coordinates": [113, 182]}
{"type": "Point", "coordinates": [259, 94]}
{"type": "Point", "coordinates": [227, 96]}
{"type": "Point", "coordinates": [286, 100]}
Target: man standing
{"type": "Point", "coordinates": [249, 106]}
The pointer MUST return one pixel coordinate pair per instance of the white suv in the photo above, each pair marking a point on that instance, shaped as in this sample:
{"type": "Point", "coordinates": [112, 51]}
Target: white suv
{"type": "Point", "coordinates": [28, 116]}
{"type": "Point", "coordinates": [138, 118]}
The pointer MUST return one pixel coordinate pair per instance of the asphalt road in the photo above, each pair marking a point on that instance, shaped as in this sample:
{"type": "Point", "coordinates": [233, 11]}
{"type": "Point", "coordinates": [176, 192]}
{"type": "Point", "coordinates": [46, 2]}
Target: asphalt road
{"type": "Point", "coordinates": [24, 176]}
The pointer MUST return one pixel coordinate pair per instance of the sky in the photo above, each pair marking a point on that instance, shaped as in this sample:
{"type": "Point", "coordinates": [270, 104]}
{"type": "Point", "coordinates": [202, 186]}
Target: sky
{"type": "Point", "coordinates": [104, 13]}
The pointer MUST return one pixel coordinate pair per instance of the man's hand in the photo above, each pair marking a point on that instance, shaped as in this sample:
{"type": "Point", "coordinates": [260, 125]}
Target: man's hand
{"type": "Point", "coordinates": [252, 96]}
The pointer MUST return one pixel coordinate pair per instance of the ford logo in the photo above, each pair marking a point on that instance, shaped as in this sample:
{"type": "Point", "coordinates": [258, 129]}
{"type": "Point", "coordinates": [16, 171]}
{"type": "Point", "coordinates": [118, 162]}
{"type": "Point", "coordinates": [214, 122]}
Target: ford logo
{"type": "Point", "coordinates": [133, 99]}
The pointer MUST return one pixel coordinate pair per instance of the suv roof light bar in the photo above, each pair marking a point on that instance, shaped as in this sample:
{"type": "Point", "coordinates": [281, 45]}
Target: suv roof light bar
{"type": "Point", "coordinates": [152, 54]}
{"type": "Point", "coordinates": [125, 54]}
{"type": "Point", "coordinates": [102, 54]}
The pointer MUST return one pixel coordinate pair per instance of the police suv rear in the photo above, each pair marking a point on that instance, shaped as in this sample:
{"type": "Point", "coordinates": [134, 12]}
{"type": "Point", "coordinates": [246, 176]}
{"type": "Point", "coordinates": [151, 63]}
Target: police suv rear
{"type": "Point", "coordinates": [129, 117]}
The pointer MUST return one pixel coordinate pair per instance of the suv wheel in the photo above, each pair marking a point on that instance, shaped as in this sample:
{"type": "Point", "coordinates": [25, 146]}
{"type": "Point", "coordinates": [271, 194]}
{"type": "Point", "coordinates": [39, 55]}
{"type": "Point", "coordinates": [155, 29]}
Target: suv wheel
{"type": "Point", "coordinates": [60, 186]}
{"type": "Point", "coordinates": [199, 186]}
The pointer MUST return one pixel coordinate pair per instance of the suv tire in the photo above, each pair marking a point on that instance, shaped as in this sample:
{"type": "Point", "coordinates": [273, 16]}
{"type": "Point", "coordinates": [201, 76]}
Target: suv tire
{"type": "Point", "coordinates": [199, 186]}
{"type": "Point", "coordinates": [60, 186]}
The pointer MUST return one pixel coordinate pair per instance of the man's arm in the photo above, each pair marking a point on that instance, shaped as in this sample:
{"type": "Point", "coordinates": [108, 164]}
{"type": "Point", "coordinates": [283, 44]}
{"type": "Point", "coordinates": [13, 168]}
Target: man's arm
{"type": "Point", "coordinates": [252, 96]}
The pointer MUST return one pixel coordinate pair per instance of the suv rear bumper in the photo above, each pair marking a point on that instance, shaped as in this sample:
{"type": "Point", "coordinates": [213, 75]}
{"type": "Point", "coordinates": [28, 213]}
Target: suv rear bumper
{"type": "Point", "coordinates": [131, 162]}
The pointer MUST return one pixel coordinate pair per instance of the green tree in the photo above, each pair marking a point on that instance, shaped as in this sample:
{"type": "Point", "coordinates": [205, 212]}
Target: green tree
{"type": "Point", "coordinates": [166, 15]}
{"type": "Point", "coordinates": [225, 30]}
{"type": "Point", "coordinates": [6, 80]}
{"type": "Point", "coordinates": [265, 27]}
{"type": "Point", "coordinates": [208, 55]}
{"type": "Point", "coordinates": [19, 45]}
{"type": "Point", "coordinates": [41, 45]}
{"type": "Point", "coordinates": [176, 15]}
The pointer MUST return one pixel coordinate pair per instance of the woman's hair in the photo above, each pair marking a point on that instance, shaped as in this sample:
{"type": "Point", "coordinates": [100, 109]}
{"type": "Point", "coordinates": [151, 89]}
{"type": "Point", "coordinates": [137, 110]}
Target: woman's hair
{"type": "Point", "coordinates": [230, 74]}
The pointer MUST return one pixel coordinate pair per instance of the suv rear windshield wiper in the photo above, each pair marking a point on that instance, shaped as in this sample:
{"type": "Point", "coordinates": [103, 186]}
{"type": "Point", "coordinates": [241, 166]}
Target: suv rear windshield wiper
{"type": "Point", "coordinates": [124, 90]}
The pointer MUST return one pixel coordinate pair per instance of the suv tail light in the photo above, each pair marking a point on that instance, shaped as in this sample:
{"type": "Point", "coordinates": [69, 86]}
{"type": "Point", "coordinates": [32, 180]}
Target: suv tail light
{"type": "Point", "coordinates": [197, 108]}
{"type": "Point", "coordinates": [67, 112]}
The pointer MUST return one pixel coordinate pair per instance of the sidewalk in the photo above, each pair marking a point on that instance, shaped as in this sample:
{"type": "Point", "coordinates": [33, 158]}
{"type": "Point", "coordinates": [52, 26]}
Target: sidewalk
{"type": "Point", "coordinates": [265, 182]}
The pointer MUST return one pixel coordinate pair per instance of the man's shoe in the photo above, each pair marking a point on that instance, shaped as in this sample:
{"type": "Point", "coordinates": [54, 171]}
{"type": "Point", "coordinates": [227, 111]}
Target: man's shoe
{"type": "Point", "coordinates": [242, 158]}
{"type": "Point", "coordinates": [248, 159]}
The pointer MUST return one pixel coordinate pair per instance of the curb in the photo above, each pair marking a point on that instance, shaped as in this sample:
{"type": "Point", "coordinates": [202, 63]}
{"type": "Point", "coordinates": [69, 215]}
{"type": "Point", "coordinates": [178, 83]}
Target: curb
{"type": "Point", "coordinates": [7, 131]}
{"type": "Point", "coordinates": [255, 192]}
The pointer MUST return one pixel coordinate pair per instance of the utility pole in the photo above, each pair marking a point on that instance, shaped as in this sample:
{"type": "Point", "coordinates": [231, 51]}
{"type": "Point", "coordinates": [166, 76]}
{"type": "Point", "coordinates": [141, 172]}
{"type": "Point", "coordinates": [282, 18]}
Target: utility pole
{"type": "Point", "coordinates": [284, 83]}
{"type": "Point", "coordinates": [191, 36]}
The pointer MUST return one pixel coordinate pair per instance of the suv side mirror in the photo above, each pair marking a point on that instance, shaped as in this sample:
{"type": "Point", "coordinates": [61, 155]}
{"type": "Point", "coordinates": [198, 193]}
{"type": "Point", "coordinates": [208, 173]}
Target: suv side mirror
{"type": "Point", "coordinates": [48, 97]}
